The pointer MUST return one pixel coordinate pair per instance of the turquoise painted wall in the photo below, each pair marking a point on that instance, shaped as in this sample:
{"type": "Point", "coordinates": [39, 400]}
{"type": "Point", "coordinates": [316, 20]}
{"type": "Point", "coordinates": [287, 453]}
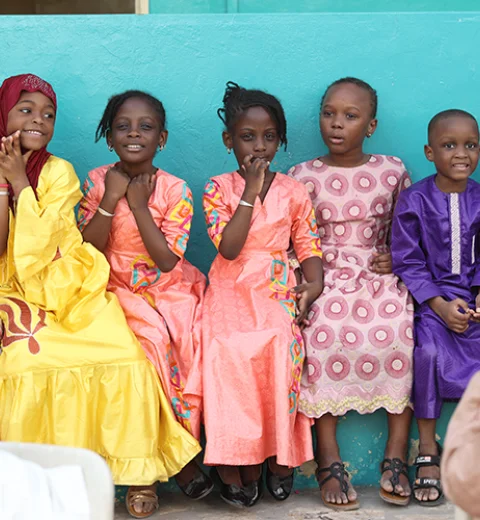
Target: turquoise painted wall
{"type": "Point", "coordinates": [419, 63]}
{"type": "Point", "coordinates": [308, 6]}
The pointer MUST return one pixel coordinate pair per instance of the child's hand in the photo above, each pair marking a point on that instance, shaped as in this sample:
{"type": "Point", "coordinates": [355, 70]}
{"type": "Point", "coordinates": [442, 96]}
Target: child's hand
{"type": "Point", "coordinates": [381, 263]}
{"type": "Point", "coordinates": [456, 314]}
{"type": "Point", "coordinates": [116, 184]}
{"type": "Point", "coordinates": [12, 162]}
{"type": "Point", "coordinates": [306, 293]}
{"type": "Point", "coordinates": [475, 313]}
{"type": "Point", "coordinates": [254, 172]}
{"type": "Point", "coordinates": [140, 190]}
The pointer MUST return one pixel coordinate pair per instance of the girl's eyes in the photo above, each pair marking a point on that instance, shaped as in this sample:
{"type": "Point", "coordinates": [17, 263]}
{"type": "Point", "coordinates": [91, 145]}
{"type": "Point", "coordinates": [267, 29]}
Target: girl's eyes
{"type": "Point", "coordinates": [48, 115]}
{"type": "Point", "coordinates": [352, 116]}
{"type": "Point", "coordinates": [271, 137]}
{"type": "Point", "coordinates": [121, 127]}
{"type": "Point", "coordinates": [146, 127]}
{"type": "Point", "coordinates": [326, 113]}
{"type": "Point", "coordinates": [247, 137]}
{"type": "Point", "coordinates": [25, 110]}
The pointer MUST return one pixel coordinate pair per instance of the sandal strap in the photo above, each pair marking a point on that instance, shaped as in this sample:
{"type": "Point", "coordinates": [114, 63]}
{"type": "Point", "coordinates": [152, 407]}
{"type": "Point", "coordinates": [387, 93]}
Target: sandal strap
{"type": "Point", "coordinates": [425, 482]}
{"type": "Point", "coordinates": [147, 496]}
{"type": "Point", "coordinates": [337, 471]}
{"type": "Point", "coordinates": [427, 460]}
{"type": "Point", "coordinates": [397, 467]}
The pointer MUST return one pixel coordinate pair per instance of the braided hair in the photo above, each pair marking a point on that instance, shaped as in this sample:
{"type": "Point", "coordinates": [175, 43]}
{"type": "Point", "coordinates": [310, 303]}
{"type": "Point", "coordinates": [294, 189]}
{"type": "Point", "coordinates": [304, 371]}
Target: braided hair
{"type": "Point", "coordinates": [359, 83]}
{"type": "Point", "coordinates": [237, 100]}
{"type": "Point", "coordinates": [114, 104]}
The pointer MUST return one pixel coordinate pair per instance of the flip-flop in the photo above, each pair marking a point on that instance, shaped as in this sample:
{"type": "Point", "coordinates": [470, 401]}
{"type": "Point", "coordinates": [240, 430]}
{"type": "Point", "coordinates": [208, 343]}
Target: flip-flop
{"type": "Point", "coordinates": [397, 467]}
{"type": "Point", "coordinates": [337, 471]}
{"type": "Point", "coordinates": [141, 495]}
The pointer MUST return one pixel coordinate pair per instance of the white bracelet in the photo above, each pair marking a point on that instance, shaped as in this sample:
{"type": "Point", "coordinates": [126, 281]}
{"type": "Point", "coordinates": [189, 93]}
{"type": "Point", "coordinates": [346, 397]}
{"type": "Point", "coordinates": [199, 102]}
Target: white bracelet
{"type": "Point", "coordinates": [4, 193]}
{"type": "Point", "coordinates": [105, 213]}
{"type": "Point", "coordinates": [246, 204]}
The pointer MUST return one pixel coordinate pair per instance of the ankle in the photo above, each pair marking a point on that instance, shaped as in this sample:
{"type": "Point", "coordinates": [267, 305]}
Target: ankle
{"type": "Point", "coordinates": [428, 448]}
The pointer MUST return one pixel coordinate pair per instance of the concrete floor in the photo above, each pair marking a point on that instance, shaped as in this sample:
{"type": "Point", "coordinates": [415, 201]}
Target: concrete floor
{"type": "Point", "coordinates": [302, 505]}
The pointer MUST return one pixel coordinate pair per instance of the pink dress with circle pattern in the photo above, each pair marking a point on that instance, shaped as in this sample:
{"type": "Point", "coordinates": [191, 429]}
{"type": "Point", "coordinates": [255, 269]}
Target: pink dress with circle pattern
{"type": "Point", "coordinates": [359, 344]}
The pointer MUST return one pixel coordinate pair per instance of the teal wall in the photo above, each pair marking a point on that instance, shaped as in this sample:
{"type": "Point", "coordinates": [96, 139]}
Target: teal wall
{"type": "Point", "coordinates": [308, 6]}
{"type": "Point", "coordinates": [419, 63]}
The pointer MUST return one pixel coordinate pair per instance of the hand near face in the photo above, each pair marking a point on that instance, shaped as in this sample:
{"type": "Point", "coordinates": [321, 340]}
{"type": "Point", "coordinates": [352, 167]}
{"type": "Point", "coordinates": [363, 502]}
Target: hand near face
{"type": "Point", "coordinates": [12, 162]}
{"type": "Point", "coordinates": [139, 191]}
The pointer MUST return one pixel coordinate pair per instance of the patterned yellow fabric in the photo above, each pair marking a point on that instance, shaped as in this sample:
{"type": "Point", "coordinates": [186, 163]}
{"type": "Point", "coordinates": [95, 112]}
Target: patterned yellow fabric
{"type": "Point", "coordinates": [71, 371]}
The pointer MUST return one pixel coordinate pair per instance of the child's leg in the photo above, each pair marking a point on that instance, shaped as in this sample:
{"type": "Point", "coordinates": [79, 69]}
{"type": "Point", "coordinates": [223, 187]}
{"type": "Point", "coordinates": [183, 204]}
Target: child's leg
{"type": "Point", "coordinates": [230, 475]}
{"type": "Point", "coordinates": [428, 446]}
{"type": "Point", "coordinates": [327, 453]}
{"type": "Point", "coordinates": [250, 474]}
{"type": "Point", "coordinates": [277, 469]}
{"type": "Point", "coordinates": [397, 448]}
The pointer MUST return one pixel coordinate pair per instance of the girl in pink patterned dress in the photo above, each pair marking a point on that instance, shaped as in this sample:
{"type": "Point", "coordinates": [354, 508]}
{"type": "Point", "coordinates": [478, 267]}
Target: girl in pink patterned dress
{"type": "Point", "coordinates": [139, 216]}
{"type": "Point", "coordinates": [359, 341]}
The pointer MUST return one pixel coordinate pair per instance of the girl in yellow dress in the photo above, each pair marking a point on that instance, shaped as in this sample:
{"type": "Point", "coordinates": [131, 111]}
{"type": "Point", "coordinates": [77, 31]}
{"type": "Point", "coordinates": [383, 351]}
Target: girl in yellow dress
{"type": "Point", "coordinates": [71, 371]}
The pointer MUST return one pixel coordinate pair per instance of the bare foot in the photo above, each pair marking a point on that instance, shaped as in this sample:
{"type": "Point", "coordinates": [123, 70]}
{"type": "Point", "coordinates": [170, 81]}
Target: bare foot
{"type": "Point", "coordinates": [403, 487]}
{"type": "Point", "coordinates": [428, 494]}
{"type": "Point", "coordinates": [148, 504]}
{"type": "Point", "coordinates": [331, 489]}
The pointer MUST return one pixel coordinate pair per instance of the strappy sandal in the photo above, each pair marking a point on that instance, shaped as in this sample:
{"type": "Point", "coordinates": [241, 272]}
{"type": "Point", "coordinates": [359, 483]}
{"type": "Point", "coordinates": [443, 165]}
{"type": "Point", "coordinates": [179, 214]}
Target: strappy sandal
{"type": "Point", "coordinates": [397, 467]}
{"type": "Point", "coordinates": [424, 461]}
{"type": "Point", "coordinates": [337, 471]}
{"type": "Point", "coordinates": [146, 496]}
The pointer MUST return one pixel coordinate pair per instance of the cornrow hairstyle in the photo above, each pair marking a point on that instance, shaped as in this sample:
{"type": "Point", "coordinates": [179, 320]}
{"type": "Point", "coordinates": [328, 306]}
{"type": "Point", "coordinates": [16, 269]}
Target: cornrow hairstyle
{"type": "Point", "coordinates": [359, 83]}
{"type": "Point", "coordinates": [447, 114]}
{"type": "Point", "coordinates": [114, 104]}
{"type": "Point", "coordinates": [238, 99]}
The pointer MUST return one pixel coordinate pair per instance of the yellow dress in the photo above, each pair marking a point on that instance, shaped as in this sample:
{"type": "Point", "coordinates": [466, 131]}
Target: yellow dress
{"type": "Point", "coordinates": [71, 371]}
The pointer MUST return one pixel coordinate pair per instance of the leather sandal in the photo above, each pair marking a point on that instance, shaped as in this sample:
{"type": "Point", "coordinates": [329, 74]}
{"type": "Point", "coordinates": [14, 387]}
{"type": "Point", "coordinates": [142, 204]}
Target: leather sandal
{"type": "Point", "coordinates": [142, 496]}
{"type": "Point", "coordinates": [337, 471]}
{"type": "Point", "coordinates": [397, 467]}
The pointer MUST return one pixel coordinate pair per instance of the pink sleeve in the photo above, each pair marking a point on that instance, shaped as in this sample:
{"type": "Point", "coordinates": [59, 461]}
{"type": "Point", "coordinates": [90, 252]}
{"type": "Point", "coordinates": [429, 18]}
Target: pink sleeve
{"type": "Point", "coordinates": [215, 210]}
{"type": "Point", "coordinates": [461, 457]}
{"type": "Point", "coordinates": [305, 239]}
{"type": "Point", "coordinates": [89, 203]}
{"type": "Point", "coordinates": [178, 220]}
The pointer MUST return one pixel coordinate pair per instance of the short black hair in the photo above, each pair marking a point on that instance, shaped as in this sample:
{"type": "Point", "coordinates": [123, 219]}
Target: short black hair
{"type": "Point", "coordinates": [447, 114]}
{"type": "Point", "coordinates": [237, 100]}
{"type": "Point", "coordinates": [114, 104]}
{"type": "Point", "coordinates": [359, 83]}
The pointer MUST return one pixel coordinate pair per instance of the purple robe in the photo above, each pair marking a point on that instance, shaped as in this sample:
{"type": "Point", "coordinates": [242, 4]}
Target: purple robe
{"type": "Point", "coordinates": [436, 252]}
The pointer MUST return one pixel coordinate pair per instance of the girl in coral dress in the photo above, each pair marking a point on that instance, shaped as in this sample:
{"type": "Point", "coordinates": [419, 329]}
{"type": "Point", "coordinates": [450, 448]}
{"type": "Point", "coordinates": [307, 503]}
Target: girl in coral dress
{"type": "Point", "coordinates": [359, 341]}
{"type": "Point", "coordinates": [140, 217]}
{"type": "Point", "coordinates": [251, 344]}
{"type": "Point", "coordinates": [71, 371]}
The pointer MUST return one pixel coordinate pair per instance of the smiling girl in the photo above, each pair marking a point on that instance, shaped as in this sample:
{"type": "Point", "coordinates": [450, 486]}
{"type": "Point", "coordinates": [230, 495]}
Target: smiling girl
{"type": "Point", "coordinates": [140, 217]}
{"type": "Point", "coordinates": [252, 347]}
{"type": "Point", "coordinates": [71, 371]}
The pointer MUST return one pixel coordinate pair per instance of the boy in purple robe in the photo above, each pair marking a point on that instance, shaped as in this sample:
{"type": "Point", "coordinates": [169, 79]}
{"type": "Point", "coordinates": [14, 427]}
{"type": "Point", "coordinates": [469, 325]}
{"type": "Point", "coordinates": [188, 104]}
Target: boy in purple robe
{"type": "Point", "coordinates": [436, 252]}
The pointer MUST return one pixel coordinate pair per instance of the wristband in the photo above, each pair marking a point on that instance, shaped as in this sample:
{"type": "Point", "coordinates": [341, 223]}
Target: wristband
{"type": "Point", "coordinates": [246, 204]}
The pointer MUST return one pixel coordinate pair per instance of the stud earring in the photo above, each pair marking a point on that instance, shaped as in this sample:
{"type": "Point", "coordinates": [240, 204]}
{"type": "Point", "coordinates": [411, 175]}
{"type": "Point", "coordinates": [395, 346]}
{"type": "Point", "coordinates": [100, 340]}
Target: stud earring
{"type": "Point", "coordinates": [229, 150]}
{"type": "Point", "coordinates": [369, 135]}
{"type": "Point", "coordinates": [110, 147]}
{"type": "Point", "coordinates": [161, 147]}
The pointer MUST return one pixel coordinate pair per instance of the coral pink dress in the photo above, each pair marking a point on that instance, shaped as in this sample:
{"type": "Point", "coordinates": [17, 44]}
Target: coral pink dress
{"type": "Point", "coordinates": [359, 344]}
{"type": "Point", "coordinates": [252, 350]}
{"type": "Point", "coordinates": [162, 309]}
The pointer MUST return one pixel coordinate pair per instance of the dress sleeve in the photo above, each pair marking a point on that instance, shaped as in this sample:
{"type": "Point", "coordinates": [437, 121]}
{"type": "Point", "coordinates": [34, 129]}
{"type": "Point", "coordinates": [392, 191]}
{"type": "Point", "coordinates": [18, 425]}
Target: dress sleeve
{"type": "Point", "coordinates": [217, 215]}
{"type": "Point", "coordinates": [90, 201]}
{"type": "Point", "coordinates": [404, 182]}
{"type": "Point", "coordinates": [408, 259]}
{"type": "Point", "coordinates": [40, 225]}
{"type": "Point", "coordinates": [461, 457]}
{"type": "Point", "coordinates": [178, 221]}
{"type": "Point", "coordinates": [305, 239]}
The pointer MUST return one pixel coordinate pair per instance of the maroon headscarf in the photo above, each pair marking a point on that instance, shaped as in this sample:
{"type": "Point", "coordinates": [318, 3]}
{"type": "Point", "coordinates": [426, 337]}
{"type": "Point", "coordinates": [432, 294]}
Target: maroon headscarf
{"type": "Point", "coordinates": [10, 93]}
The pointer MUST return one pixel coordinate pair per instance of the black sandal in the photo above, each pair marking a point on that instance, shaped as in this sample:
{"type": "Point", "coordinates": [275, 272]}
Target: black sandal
{"type": "Point", "coordinates": [424, 461]}
{"type": "Point", "coordinates": [397, 467]}
{"type": "Point", "coordinates": [337, 471]}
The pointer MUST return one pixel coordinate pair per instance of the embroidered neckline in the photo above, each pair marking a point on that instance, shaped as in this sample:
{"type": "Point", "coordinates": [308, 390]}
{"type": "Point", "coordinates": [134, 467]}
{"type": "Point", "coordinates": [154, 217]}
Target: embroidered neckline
{"type": "Point", "coordinates": [455, 233]}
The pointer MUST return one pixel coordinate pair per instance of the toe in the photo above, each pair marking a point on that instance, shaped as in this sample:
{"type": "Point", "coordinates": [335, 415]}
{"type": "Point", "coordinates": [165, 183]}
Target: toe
{"type": "Point", "coordinates": [399, 490]}
{"type": "Point", "coordinates": [433, 495]}
{"type": "Point", "coordinates": [344, 498]}
{"type": "Point", "coordinates": [386, 485]}
{"type": "Point", "coordinates": [352, 495]}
